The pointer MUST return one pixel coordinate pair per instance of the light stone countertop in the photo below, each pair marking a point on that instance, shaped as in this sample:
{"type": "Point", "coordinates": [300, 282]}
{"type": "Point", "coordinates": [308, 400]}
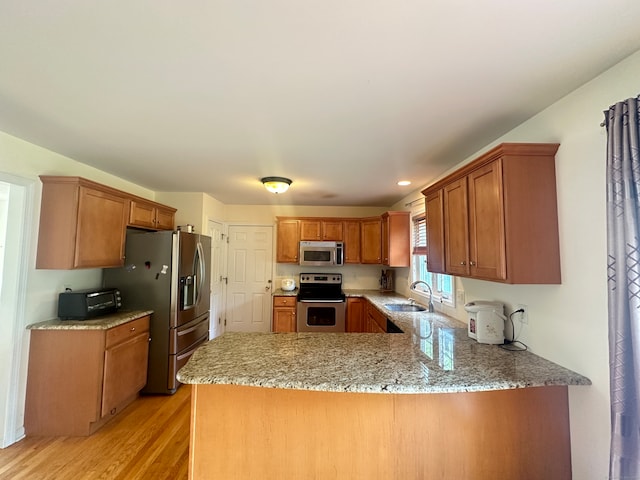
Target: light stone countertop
{"type": "Point", "coordinates": [434, 355]}
{"type": "Point", "coordinates": [100, 323]}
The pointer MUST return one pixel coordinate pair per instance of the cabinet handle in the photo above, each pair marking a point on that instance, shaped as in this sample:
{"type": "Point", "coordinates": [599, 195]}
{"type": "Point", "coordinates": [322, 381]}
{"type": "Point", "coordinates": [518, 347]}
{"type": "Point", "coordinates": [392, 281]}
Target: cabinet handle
{"type": "Point", "coordinates": [463, 263]}
{"type": "Point", "coordinates": [133, 329]}
{"type": "Point", "coordinates": [472, 263]}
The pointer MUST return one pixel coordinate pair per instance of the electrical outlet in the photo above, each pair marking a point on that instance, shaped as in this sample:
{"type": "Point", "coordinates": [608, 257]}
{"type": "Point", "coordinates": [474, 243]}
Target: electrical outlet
{"type": "Point", "coordinates": [524, 316]}
{"type": "Point", "coordinates": [460, 296]}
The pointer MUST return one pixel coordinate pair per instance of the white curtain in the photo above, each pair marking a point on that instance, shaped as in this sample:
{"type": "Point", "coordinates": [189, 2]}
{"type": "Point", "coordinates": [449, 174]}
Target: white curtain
{"type": "Point", "coordinates": [623, 249]}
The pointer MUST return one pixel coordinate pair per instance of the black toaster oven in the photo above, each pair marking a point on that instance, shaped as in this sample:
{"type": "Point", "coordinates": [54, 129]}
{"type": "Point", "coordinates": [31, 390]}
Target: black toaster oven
{"type": "Point", "coordinates": [86, 304]}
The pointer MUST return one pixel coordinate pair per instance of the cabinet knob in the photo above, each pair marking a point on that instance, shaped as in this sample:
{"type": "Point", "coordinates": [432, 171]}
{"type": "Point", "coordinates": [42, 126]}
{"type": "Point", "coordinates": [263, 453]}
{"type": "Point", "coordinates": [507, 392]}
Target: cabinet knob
{"type": "Point", "coordinates": [133, 329]}
{"type": "Point", "coordinates": [472, 263]}
{"type": "Point", "coordinates": [463, 263]}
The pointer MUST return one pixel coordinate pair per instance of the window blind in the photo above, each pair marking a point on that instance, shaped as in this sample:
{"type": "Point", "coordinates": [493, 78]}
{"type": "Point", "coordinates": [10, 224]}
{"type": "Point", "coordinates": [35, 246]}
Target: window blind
{"type": "Point", "coordinates": [420, 234]}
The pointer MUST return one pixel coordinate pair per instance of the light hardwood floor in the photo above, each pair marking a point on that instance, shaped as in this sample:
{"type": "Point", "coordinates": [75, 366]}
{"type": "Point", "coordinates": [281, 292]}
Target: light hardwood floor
{"type": "Point", "coordinates": [148, 440]}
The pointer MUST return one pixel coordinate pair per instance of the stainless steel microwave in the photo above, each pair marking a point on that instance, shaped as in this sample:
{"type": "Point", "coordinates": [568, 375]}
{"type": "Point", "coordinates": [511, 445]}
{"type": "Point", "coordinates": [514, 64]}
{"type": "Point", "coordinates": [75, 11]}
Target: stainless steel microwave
{"type": "Point", "coordinates": [321, 254]}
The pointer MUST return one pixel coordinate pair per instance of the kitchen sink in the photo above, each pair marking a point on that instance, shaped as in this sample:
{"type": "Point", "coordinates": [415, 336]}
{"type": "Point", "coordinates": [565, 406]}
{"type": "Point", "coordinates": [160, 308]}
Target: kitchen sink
{"type": "Point", "coordinates": [404, 307]}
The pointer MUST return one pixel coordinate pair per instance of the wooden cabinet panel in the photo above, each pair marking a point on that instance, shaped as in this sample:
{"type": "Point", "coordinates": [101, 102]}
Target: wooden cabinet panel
{"type": "Point", "coordinates": [288, 241]}
{"type": "Point", "coordinates": [486, 223]}
{"type": "Point", "coordinates": [321, 229]}
{"type": "Point", "coordinates": [351, 230]}
{"type": "Point", "coordinates": [500, 218]}
{"type": "Point", "coordinates": [125, 372]}
{"type": "Point", "coordinates": [310, 230]}
{"type": "Point", "coordinates": [82, 224]}
{"type": "Point", "coordinates": [435, 232]}
{"type": "Point", "coordinates": [456, 228]}
{"type": "Point", "coordinates": [284, 313]}
{"type": "Point", "coordinates": [332, 230]}
{"type": "Point", "coordinates": [396, 241]}
{"type": "Point", "coordinates": [371, 240]}
{"type": "Point", "coordinates": [151, 215]}
{"type": "Point", "coordinates": [355, 318]}
{"type": "Point", "coordinates": [376, 321]}
{"type": "Point", "coordinates": [75, 382]}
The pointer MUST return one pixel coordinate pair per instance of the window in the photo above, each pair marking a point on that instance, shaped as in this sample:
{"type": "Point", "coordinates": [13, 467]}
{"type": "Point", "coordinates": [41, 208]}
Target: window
{"type": "Point", "coordinates": [441, 285]}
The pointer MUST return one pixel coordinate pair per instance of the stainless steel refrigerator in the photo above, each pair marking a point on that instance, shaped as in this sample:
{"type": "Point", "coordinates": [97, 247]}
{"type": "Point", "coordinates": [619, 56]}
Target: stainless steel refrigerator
{"type": "Point", "coordinates": [167, 272]}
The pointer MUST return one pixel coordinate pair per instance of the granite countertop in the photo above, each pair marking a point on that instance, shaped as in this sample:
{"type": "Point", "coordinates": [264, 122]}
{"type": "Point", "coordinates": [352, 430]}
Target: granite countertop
{"type": "Point", "coordinates": [100, 323]}
{"type": "Point", "coordinates": [434, 355]}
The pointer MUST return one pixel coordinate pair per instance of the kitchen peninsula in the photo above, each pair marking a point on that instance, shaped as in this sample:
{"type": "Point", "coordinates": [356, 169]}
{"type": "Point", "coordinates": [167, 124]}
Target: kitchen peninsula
{"type": "Point", "coordinates": [427, 403]}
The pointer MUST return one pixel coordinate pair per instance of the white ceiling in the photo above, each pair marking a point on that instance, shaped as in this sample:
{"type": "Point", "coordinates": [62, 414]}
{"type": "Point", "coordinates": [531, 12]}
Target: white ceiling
{"type": "Point", "coordinates": [345, 97]}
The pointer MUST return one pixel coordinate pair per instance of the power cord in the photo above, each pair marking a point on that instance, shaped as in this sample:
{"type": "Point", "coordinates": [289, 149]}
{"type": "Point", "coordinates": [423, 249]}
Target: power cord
{"type": "Point", "coordinates": [514, 345]}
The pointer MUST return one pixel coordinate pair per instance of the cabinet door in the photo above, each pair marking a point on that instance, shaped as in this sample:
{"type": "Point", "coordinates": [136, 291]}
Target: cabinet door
{"type": "Point", "coordinates": [284, 313]}
{"type": "Point", "coordinates": [371, 241]}
{"type": "Point", "coordinates": [150, 215]}
{"type": "Point", "coordinates": [435, 232]}
{"type": "Point", "coordinates": [284, 319]}
{"type": "Point", "coordinates": [311, 230]}
{"type": "Point", "coordinates": [142, 214]}
{"type": "Point", "coordinates": [486, 223]}
{"type": "Point", "coordinates": [288, 242]}
{"type": "Point", "coordinates": [332, 230]}
{"type": "Point", "coordinates": [351, 241]}
{"type": "Point", "coordinates": [165, 219]}
{"type": "Point", "coordinates": [384, 239]}
{"type": "Point", "coordinates": [355, 315]}
{"type": "Point", "coordinates": [456, 229]}
{"type": "Point", "coordinates": [100, 233]}
{"type": "Point", "coordinates": [396, 242]}
{"type": "Point", "coordinates": [125, 371]}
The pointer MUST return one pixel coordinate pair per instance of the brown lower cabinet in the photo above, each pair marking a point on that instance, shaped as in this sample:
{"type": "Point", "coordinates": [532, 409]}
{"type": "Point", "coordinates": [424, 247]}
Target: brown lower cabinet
{"type": "Point", "coordinates": [284, 313]}
{"type": "Point", "coordinates": [78, 379]}
{"type": "Point", "coordinates": [355, 319]}
{"type": "Point", "coordinates": [376, 322]}
{"type": "Point", "coordinates": [312, 434]}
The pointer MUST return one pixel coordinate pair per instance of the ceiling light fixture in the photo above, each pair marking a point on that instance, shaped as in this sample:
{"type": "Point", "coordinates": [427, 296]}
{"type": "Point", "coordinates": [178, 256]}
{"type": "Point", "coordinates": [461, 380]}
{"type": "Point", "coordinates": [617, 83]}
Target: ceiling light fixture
{"type": "Point", "coordinates": [276, 184]}
{"type": "Point", "coordinates": [404, 183]}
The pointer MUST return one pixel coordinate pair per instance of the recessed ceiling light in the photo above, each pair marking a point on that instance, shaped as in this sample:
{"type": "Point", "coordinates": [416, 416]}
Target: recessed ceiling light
{"type": "Point", "coordinates": [404, 183]}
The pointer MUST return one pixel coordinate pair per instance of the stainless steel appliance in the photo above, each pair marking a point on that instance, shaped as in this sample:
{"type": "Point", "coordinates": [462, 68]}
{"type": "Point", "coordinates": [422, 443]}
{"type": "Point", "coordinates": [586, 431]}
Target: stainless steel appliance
{"type": "Point", "coordinates": [167, 272]}
{"type": "Point", "coordinates": [321, 254]}
{"type": "Point", "coordinates": [321, 303]}
{"type": "Point", "coordinates": [89, 303]}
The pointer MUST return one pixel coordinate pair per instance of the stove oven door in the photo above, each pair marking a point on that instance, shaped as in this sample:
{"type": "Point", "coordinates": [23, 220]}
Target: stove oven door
{"type": "Point", "coordinates": [321, 316]}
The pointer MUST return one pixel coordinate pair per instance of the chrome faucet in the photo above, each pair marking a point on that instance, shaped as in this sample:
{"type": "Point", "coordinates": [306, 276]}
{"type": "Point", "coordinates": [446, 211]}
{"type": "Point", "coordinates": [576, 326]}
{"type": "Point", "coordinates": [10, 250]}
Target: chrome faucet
{"type": "Point", "coordinates": [418, 282]}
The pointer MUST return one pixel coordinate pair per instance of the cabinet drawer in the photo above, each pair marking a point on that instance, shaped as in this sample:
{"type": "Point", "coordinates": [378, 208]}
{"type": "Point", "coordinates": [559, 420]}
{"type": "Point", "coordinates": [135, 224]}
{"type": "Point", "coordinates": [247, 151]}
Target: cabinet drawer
{"type": "Point", "coordinates": [127, 330]}
{"type": "Point", "coordinates": [284, 301]}
{"type": "Point", "coordinates": [187, 335]}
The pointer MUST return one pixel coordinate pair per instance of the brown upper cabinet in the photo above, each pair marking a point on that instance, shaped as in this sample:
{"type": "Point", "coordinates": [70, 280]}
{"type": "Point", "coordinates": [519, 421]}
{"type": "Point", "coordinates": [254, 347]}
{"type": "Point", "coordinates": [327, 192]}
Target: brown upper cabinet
{"type": "Point", "coordinates": [83, 224]}
{"type": "Point", "coordinates": [288, 240]}
{"type": "Point", "coordinates": [371, 240]}
{"type": "Point", "coordinates": [321, 229]}
{"type": "Point", "coordinates": [151, 215]}
{"type": "Point", "coordinates": [496, 218]}
{"type": "Point", "coordinates": [365, 239]}
{"type": "Point", "coordinates": [396, 242]}
{"type": "Point", "coordinates": [351, 229]}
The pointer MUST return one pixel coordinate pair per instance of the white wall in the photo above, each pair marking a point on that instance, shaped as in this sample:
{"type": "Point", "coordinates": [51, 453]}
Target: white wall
{"type": "Point", "coordinates": [568, 322]}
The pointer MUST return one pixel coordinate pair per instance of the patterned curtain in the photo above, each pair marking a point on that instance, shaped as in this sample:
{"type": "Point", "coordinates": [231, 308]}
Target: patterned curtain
{"type": "Point", "coordinates": [623, 249]}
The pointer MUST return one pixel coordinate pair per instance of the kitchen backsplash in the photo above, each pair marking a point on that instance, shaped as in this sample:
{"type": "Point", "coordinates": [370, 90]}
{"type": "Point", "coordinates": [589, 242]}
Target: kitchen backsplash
{"type": "Point", "coordinates": [353, 276]}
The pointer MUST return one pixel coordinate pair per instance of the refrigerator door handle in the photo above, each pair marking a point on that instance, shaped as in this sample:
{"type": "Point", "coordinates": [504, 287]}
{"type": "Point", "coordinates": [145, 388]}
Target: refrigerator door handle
{"type": "Point", "coordinates": [199, 263]}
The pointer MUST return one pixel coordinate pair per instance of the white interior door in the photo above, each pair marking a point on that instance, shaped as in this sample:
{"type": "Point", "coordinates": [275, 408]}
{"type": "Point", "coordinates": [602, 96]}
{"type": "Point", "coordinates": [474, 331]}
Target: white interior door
{"type": "Point", "coordinates": [250, 263]}
{"type": "Point", "coordinates": [218, 256]}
